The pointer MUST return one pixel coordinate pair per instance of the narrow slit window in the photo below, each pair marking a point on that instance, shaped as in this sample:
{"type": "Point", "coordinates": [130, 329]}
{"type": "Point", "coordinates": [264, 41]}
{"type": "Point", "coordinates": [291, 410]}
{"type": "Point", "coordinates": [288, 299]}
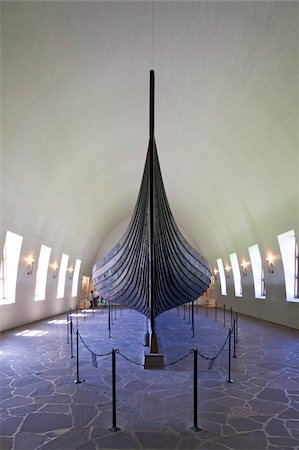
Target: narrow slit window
{"type": "Point", "coordinates": [258, 271]}
{"type": "Point", "coordinates": [222, 276]}
{"type": "Point", "coordinates": [76, 278]}
{"type": "Point", "coordinates": [236, 274]}
{"type": "Point", "coordinates": [289, 254]}
{"type": "Point", "coordinates": [9, 267]}
{"type": "Point", "coordinates": [62, 275]}
{"type": "Point", "coordinates": [42, 272]}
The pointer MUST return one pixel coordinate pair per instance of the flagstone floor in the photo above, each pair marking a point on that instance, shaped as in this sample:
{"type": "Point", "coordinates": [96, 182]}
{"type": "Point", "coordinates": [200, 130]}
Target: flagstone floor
{"type": "Point", "coordinates": [41, 407]}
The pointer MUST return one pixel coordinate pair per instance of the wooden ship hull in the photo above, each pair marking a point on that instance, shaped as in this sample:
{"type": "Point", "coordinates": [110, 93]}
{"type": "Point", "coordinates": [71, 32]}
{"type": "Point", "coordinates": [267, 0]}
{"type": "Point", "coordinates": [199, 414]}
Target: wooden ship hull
{"type": "Point", "coordinates": [152, 268]}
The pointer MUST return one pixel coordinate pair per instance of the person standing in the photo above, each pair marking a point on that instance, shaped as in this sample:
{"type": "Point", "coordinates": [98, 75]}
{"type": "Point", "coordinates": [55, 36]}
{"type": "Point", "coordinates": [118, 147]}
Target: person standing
{"type": "Point", "coordinates": [95, 298]}
{"type": "Point", "coordinates": [90, 298]}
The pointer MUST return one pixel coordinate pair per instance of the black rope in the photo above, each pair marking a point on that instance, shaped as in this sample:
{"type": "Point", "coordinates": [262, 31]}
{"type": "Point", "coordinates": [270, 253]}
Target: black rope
{"type": "Point", "coordinates": [140, 364]}
{"type": "Point", "coordinates": [97, 354]}
{"type": "Point", "coordinates": [128, 359]}
{"type": "Point", "coordinates": [214, 357]}
{"type": "Point", "coordinates": [178, 360]}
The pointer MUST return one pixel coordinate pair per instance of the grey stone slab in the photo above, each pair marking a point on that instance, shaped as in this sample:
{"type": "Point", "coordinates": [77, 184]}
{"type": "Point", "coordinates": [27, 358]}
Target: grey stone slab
{"type": "Point", "coordinates": [41, 422]}
{"type": "Point", "coordinates": [118, 440]}
{"type": "Point", "coordinates": [244, 424]}
{"type": "Point", "coordinates": [213, 417]}
{"type": "Point", "coordinates": [6, 443]}
{"type": "Point", "coordinates": [189, 442]}
{"type": "Point", "coordinates": [24, 381]}
{"type": "Point", "coordinates": [83, 414]}
{"type": "Point", "coordinates": [9, 426]}
{"type": "Point", "coordinates": [56, 398]}
{"type": "Point", "coordinates": [290, 413]}
{"type": "Point", "coordinates": [22, 411]}
{"type": "Point", "coordinates": [275, 395]}
{"type": "Point", "coordinates": [145, 425]}
{"type": "Point", "coordinates": [55, 408]}
{"type": "Point", "coordinates": [5, 393]}
{"type": "Point", "coordinates": [294, 404]}
{"type": "Point", "coordinates": [283, 442]}
{"type": "Point", "coordinates": [227, 430]}
{"type": "Point", "coordinates": [255, 440]}
{"type": "Point", "coordinates": [15, 401]}
{"type": "Point", "coordinates": [72, 440]}
{"type": "Point", "coordinates": [29, 441]}
{"type": "Point", "coordinates": [276, 428]}
{"type": "Point", "coordinates": [212, 446]}
{"type": "Point", "coordinates": [266, 407]}
{"type": "Point", "coordinates": [155, 439]}
{"type": "Point", "coordinates": [292, 424]}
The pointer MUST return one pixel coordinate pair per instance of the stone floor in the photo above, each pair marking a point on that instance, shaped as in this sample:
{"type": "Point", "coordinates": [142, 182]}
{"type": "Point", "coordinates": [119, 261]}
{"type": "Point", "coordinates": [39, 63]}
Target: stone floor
{"type": "Point", "coordinates": [42, 408]}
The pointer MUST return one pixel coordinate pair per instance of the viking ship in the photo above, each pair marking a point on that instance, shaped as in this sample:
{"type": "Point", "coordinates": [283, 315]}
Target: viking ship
{"type": "Point", "coordinates": [152, 268]}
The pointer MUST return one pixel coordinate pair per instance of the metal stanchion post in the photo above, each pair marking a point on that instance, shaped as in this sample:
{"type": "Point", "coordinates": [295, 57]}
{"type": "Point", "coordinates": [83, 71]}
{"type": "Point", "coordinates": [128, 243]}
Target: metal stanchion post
{"type": "Point", "coordinates": [229, 380]}
{"type": "Point", "coordinates": [231, 317]}
{"type": "Point", "coordinates": [195, 425]}
{"type": "Point", "coordinates": [234, 355]}
{"type": "Point", "coordinates": [111, 313]}
{"type": "Point", "coordinates": [109, 318]}
{"type": "Point", "coordinates": [206, 308]}
{"type": "Point", "coordinates": [84, 314]}
{"type": "Point", "coordinates": [189, 314]}
{"type": "Point", "coordinates": [76, 316]}
{"type": "Point", "coordinates": [114, 312]}
{"type": "Point", "coordinates": [67, 328]}
{"type": "Point", "coordinates": [77, 343]}
{"type": "Point", "coordinates": [224, 315]}
{"type": "Point", "coordinates": [237, 327]}
{"type": "Point", "coordinates": [114, 427]}
{"type": "Point", "coordinates": [192, 310]}
{"type": "Point", "coordinates": [71, 333]}
{"type": "Point", "coordinates": [215, 311]}
{"type": "Point", "coordinates": [184, 311]}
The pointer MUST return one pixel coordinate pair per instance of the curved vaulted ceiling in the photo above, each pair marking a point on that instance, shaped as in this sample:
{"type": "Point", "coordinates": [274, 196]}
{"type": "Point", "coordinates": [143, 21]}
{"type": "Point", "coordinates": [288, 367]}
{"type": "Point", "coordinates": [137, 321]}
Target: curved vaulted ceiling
{"type": "Point", "coordinates": [75, 120]}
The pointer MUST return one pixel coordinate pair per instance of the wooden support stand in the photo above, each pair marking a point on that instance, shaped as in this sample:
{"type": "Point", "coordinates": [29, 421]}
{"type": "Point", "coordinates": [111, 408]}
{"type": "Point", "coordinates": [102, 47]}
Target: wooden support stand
{"type": "Point", "coordinates": [153, 359]}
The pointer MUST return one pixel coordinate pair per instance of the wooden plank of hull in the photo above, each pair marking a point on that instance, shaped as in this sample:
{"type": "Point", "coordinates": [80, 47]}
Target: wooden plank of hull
{"type": "Point", "coordinates": [152, 268]}
{"type": "Point", "coordinates": [181, 274]}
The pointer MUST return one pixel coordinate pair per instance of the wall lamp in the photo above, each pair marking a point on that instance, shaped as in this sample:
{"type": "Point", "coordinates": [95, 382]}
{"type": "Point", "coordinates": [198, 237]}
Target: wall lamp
{"type": "Point", "coordinates": [215, 271]}
{"type": "Point", "coordinates": [29, 268]}
{"type": "Point", "coordinates": [227, 271]}
{"type": "Point", "coordinates": [244, 269]}
{"type": "Point", "coordinates": [270, 265]}
{"type": "Point", "coordinates": [71, 273]}
{"type": "Point", "coordinates": [55, 271]}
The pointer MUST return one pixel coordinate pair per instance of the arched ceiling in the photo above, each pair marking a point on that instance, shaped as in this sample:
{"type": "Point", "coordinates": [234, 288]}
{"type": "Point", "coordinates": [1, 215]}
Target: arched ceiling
{"type": "Point", "coordinates": [75, 83]}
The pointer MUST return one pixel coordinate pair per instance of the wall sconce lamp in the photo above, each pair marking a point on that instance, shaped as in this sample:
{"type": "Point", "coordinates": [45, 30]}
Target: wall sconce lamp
{"type": "Point", "coordinates": [270, 266]}
{"type": "Point", "coordinates": [55, 271]}
{"type": "Point", "coordinates": [227, 271]}
{"type": "Point", "coordinates": [244, 270]}
{"type": "Point", "coordinates": [29, 268]}
{"type": "Point", "coordinates": [215, 271]}
{"type": "Point", "coordinates": [71, 273]}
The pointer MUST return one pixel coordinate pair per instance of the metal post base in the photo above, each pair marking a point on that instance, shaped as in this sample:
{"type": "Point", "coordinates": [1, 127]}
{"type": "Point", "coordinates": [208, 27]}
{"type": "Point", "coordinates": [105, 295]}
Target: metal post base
{"type": "Point", "coordinates": [195, 429]}
{"type": "Point", "coordinates": [229, 381]}
{"type": "Point", "coordinates": [114, 429]}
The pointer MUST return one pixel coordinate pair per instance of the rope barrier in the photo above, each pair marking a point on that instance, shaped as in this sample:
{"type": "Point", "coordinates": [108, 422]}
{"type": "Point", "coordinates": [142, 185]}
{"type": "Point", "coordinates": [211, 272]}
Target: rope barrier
{"type": "Point", "coordinates": [214, 357]}
{"type": "Point", "coordinates": [91, 351]}
{"type": "Point", "coordinates": [178, 360]}
{"type": "Point", "coordinates": [128, 359]}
